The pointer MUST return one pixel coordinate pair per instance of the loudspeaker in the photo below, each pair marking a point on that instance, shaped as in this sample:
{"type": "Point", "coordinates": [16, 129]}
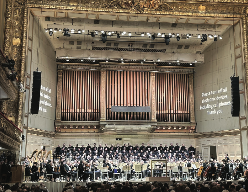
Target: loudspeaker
{"type": "Point", "coordinates": [36, 92]}
{"type": "Point", "coordinates": [235, 96]}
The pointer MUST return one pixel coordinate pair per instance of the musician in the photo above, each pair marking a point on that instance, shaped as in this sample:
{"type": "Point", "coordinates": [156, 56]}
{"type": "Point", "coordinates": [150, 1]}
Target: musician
{"type": "Point", "coordinates": [176, 148]}
{"type": "Point", "coordinates": [239, 170]}
{"type": "Point", "coordinates": [58, 151]}
{"type": "Point", "coordinates": [191, 151]}
{"type": "Point", "coordinates": [171, 148]}
{"type": "Point", "coordinates": [182, 148]}
{"type": "Point", "coordinates": [212, 171]}
{"type": "Point", "coordinates": [35, 173]}
{"type": "Point", "coordinates": [81, 170]}
{"type": "Point", "coordinates": [50, 170]}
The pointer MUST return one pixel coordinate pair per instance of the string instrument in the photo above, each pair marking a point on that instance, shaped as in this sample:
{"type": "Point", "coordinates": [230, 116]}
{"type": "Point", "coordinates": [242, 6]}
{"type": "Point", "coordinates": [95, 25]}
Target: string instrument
{"type": "Point", "coordinates": [200, 171]}
{"type": "Point", "coordinates": [206, 172]}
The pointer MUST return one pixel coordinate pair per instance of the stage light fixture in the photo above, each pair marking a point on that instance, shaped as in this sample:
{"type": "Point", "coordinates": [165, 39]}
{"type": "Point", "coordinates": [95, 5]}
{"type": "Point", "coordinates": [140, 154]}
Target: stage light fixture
{"type": "Point", "coordinates": [72, 30]}
{"type": "Point", "coordinates": [92, 34]}
{"type": "Point", "coordinates": [163, 35]}
{"type": "Point", "coordinates": [144, 59]}
{"type": "Point", "coordinates": [220, 37]}
{"type": "Point", "coordinates": [167, 40]}
{"type": "Point", "coordinates": [142, 34]}
{"type": "Point", "coordinates": [66, 32]}
{"type": "Point", "coordinates": [148, 34]}
{"type": "Point", "coordinates": [104, 37]}
{"type": "Point", "coordinates": [159, 34]}
{"type": "Point", "coordinates": [204, 38]}
{"type": "Point", "coordinates": [67, 60]}
{"type": "Point", "coordinates": [79, 31]}
{"type": "Point", "coordinates": [190, 64]}
{"type": "Point", "coordinates": [153, 37]}
{"type": "Point", "coordinates": [169, 34]}
{"type": "Point", "coordinates": [199, 36]}
{"type": "Point", "coordinates": [158, 60]}
{"type": "Point", "coordinates": [129, 34]}
{"type": "Point", "coordinates": [177, 61]}
{"type": "Point", "coordinates": [178, 38]}
{"type": "Point", "coordinates": [83, 31]}
{"type": "Point", "coordinates": [102, 31]}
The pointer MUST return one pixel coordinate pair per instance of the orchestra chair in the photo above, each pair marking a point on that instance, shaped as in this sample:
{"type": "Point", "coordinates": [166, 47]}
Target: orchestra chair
{"type": "Point", "coordinates": [164, 173]}
{"type": "Point", "coordinates": [27, 178]}
{"type": "Point", "coordinates": [104, 171]}
{"type": "Point", "coordinates": [49, 175]}
{"type": "Point", "coordinates": [138, 171]}
{"type": "Point", "coordinates": [175, 171]}
{"type": "Point", "coordinates": [185, 172]}
{"type": "Point", "coordinates": [62, 176]}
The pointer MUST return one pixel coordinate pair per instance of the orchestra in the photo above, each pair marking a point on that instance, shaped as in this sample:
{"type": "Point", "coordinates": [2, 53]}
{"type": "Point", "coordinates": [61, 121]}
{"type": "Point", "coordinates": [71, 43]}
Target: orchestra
{"type": "Point", "coordinates": [92, 163]}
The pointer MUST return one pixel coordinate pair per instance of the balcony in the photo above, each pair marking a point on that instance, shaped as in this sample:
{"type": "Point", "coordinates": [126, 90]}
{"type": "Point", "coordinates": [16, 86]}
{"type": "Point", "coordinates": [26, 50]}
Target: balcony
{"type": "Point", "coordinates": [10, 134]}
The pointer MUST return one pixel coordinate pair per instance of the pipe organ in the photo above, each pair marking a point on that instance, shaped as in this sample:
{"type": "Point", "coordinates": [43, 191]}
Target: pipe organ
{"type": "Point", "coordinates": [172, 97]}
{"type": "Point", "coordinates": [80, 95]}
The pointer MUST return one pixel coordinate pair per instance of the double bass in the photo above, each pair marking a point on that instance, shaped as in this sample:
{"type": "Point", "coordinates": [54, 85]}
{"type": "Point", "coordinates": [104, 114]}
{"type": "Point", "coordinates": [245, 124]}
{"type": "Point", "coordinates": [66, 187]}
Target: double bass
{"type": "Point", "coordinates": [205, 174]}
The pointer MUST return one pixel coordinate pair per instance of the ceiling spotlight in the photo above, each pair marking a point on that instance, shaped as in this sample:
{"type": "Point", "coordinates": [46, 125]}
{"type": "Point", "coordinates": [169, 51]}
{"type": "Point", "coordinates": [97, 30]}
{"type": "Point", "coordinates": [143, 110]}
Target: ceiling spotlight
{"type": "Point", "coordinates": [82, 60]}
{"type": "Point", "coordinates": [50, 33]}
{"type": "Point", "coordinates": [121, 59]}
{"type": "Point", "coordinates": [153, 37]}
{"type": "Point", "coordinates": [169, 63]}
{"type": "Point", "coordinates": [204, 38]}
{"type": "Point", "coordinates": [129, 34]}
{"type": "Point", "coordinates": [66, 32]}
{"type": "Point", "coordinates": [142, 34]}
{"type": "Point", "coordinates": [89, 57]}
{"type": "Point", "coordinates": [159, 34]}
{"type": "Point", "coordinates": [72, 30]}
{"type": "Point", "coordinates": [118, 35]}
{"type": "Point", "coordinates": [167, 40]}
{"type": "Point", "coordinates": [158, 60]}
{"type": "Point", "coordinates": [195, 61]}
{"type": "Point", "coordinates": [79, 31]}
{"type": "Point", "coordinates": [177, 61]}
{"type": "Point", "coordinates": [92, 34]}
{"type": "Point", "coordinates": [190, 64]}
{"type": "Point", "coordinates": [210, 36]}
{"type": "Point", "coordinates": [178, 38]}
{"type": "Point", "coordinates": [83, 31]}
{"type": "Point", "coordinates": [199, 36]}
{"type": "Point", "coordinates": [102, 31]}
{"type": "Point", "coordinates": [60, 29]}
{"type": "Point", "coordinates": [104, 37]}
{"type": "Point", "coordinates": [220, 37]}
{"type": "Point", "coordinates": [144, 59]}
{"type": "Point", "coordinates": [163, 35]}
{"type": "Point", "coordinates": [169, 34]}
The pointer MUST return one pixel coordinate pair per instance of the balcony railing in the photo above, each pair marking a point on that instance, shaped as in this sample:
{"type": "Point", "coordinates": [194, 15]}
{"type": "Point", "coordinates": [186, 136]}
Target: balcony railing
{"type": "Point", "coordinates": [9, 128]}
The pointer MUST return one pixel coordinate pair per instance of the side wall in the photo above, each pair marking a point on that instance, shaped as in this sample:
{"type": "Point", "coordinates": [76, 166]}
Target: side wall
{"type": "Point", "coordinates": [212, 86]}
{"type": "Point", "coordinates": [41, 55]}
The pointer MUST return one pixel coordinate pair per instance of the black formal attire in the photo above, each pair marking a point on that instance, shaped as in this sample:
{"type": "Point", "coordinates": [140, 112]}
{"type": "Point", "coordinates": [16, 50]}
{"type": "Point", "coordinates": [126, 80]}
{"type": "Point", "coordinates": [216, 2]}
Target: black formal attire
{"type": "Point", "coordinates": [35, 173]}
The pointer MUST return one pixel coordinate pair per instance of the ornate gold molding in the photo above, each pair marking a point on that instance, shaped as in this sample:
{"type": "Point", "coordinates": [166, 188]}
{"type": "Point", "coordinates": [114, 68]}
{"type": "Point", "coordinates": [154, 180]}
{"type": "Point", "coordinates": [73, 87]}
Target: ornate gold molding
{"type": "Point", "coordinates": [154, 7]}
